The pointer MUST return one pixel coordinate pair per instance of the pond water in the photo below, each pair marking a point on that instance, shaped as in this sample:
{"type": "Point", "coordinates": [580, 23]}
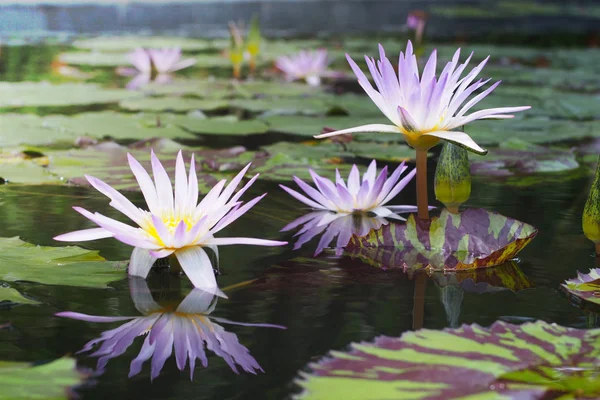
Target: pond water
{"type": "Point", "coordinates": [325, 303]}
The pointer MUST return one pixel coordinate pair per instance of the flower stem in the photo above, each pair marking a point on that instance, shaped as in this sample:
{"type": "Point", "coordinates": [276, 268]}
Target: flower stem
{"type": "Point", "coordinates": [597, 249]}
{"type": "Point", "coordinates": [422, 202]}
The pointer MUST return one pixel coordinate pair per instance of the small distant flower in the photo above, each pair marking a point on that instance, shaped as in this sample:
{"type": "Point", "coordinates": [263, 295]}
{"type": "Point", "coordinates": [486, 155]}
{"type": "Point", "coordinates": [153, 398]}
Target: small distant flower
{"type": "Point", "coordinates": [416, 21]}
{"type": "Point", "coordinates": [163, 62]}
{"type": "Point", "coordinates": [332, 225]}
{"type": "Point", "coordinates": [176, 224]}
{"type": "Point", "coordinates": [307, 65]}
{"type": "Point", "coordinates": [423, 108]}
{"type": "Point", "coordinates": [187, 330]}
{"type": "Point", "coordinates": [371, 194]}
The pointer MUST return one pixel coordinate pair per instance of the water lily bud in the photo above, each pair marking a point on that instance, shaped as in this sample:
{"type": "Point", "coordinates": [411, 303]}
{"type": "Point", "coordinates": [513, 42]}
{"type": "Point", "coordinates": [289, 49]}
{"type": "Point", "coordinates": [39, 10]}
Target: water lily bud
{"type": "Point", "coordinates": [591, 212]}
{"type": "Point", "coordinates": [453, 177]}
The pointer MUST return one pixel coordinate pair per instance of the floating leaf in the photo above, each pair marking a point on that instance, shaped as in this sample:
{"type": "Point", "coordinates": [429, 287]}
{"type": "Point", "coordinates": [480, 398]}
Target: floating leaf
{"type": "Point", "coordinates": [273, 89]}
{"type": "Point", "coordinates": [43, 94]}
{"type": "Point", "coordinates": [530, 361]}
{"type": "Point", "coordinates": [177, 104]}
{"type": "Point", "coordinates": [128, 43]}
{"type": "Point", "coordinates": [13, 296]}
{"type": "Point", "coordinates": [69, 266]}
{"type": "Point", "coordinates": [285, 106]}
{"type": "Point", "coordinates": [516, 156]}
{"type": "Point", "coordinates": [108, 161]}
{"type": "Point", "coordinates": [94, 59]}
{"type": "Point", "coordinates": [310, 126]}
{"type": "Point", "coordinates": [585, 288]}
{"type": "Point", "coordinates": [282, 168]}
{"type": "Point", "coordinates": [20, 380]}
{"type": "Point", "coordinates": [475, 238]}
{"type": "Point", "coordinates": [27, 172]}
{"type": "Point", "coordinates": [223, 126]}
{"type": "Point", "coordinates": [204, 88]}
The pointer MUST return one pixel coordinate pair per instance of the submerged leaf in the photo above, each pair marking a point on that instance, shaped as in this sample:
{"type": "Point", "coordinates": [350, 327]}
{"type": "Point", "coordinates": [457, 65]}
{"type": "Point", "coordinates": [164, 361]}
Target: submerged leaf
{"type": "Point", "coordinates": [475, 238]}
{"type": "Point", "coordinates": [20, 380]}
{"type": "Point", "coordinates": [69, 266]}
{"type": "Point", "coordinates": [530, 361]}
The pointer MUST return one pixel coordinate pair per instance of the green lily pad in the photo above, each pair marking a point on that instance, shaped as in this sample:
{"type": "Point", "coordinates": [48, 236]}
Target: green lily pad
{"type": "Point", "coordinates": [177, 104]}
{"type": "Point", "coordinates": [580, 80]}
{"type": "Point", "coordinates": [108, 161]}
{"type": "Point", "coordinates": [285, 106]}
{"type": "Point", "coordinates": [475, 238]}
{"type": "Point", "coordinates": [585, 288]}
{"type": "Point", "coordinates": [228, 125]}
{"type": "Point", "coordinates": [13, 296]}
{"type": "Point", "coordinates": [128, 43]}
{"type": "Point", "coordinates": [517, 157]}
{"type": "Point", "coordinates": [274, 89]}
{"type": "Point", "coordinates": [25, 129]}
{"type": "Point", "coordinates": [94, 59]}
{"type": "Point", "coordinates": [212, 61]}
{"type": "Point", "coordinates": [533, 360]}
{"type": "Point", "coordinates": [20, 380]}
{"type": "Point", "coordinates": [324, 149]}
{"type": "Point", "coordinates": [353, 105]}
{"type": "Point", "coordinates": [43, 94]}
{"type": "Point", "coordinates": [27, 172]}
{"type": "Point", "coordinates": [533, 130]}
{"type": "Point", "coordinates": [203, 88]}
{"type": "Point", "coordinates": [572, 106]}
{"type": "Point", "coordinates": [310, 126]}
{"type": "Point", "coordinates": [68, 266]}
{"type": "Point", "coordinates": [282, 168]}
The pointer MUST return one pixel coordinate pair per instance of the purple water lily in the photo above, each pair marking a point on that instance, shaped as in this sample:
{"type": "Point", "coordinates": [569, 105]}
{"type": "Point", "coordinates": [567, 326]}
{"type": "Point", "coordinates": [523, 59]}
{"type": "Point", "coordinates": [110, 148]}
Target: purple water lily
{"type": "Point", "coordinates": [176, 223]}
{"type": "Point", "coordinates": [163, 62]}
{"type": "Point", "coordinates": [308, 65]}
{"type": "Point", "coordinates": [332, 225]}
{"type": "Point", "coordinates": [187, 329]}
{"type": "Point", "coordinates": [371, 194]}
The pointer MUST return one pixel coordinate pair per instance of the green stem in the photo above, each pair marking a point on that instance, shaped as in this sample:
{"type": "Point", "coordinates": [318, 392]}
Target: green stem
{"type": "Point", "coordinates": [422, 201]}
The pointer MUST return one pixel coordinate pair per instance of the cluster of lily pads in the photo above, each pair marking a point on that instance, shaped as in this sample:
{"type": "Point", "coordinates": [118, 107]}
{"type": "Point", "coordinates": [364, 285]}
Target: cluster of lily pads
{"type": "Point", "coordinates": [107, 147]}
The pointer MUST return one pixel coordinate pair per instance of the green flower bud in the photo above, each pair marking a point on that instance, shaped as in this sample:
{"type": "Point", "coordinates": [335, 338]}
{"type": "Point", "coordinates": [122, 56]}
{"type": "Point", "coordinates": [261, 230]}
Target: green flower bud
{"type": "Point", "coordinates": [452, 183]}
{"type": "Point", "coordinates": [591, 211]}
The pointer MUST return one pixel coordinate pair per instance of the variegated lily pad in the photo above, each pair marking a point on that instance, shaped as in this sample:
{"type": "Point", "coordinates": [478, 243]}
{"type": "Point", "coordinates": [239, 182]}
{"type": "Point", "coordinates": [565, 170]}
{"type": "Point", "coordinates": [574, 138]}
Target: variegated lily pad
{"type": "Point", "coordinates": [69, 266]}
{"type": "Point", "coordinates": [585, 288]}
{"type": "Point", "coordinates": [475, 238]}
{"type": "Point", "coordinates": [20, 380]}
{"type": "Point", "coordinates": [530, 361]}
{"type": "Point", "coordinates": [503, 277]}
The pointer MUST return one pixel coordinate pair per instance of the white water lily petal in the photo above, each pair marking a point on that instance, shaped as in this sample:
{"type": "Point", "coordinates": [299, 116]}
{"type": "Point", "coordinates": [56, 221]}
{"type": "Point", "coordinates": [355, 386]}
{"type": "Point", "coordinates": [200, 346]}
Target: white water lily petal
{"type": "Point", "coordinates": [197, 266]}
{"type": "Point", "coordinates": [84, 235]}
{"type": "Point", "coordinates": [373, 128]}
{"type": "Point", "coordinates": [140, 262]}
{"type": "Point", "coordinates": [459, 138]}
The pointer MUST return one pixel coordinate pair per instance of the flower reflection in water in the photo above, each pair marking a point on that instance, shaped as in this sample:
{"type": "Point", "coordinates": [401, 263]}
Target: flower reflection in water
{"type": "Point", "coordinates": [333, 225]}
{"type": "Point", "coordinates": [187, 328]}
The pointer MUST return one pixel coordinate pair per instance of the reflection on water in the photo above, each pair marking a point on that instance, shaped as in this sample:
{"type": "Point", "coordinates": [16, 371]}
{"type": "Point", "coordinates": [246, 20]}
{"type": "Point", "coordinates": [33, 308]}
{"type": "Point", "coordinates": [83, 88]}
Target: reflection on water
{"type": "Point", "coordinates": [332, 225]}
{"type": "Point", "coordinates": [187, 328]}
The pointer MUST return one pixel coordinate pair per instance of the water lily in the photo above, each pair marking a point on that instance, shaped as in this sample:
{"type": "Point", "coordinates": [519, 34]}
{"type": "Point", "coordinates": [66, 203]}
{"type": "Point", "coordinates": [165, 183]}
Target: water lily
{"type": "Point", "coordinates": [424, 108]}
{"type": "Point", "coordinates": [307, 65]}
{"type": "Point", "coordinates": [161, 62]}
{"type": "Point", "coordinates": [187, 329]}
{"type": "Point", "coordinates": [175, 223]}
{"type": "Point", "coordinates": [332, 225]}
{"type": "Point", "coordinates": [369, 194]}
{"type": "Point", "coordinates": [416, 21]}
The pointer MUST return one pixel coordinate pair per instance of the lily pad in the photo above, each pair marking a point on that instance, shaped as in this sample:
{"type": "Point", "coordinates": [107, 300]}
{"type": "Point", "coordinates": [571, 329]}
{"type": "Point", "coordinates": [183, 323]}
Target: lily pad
{"type": "Point", "coordinates": [533, 360]}
{"type": "Point", "coordinates": [228, 125]}
{"type": "Point", "coordinates": [94, 59]}
{"type": "Point", "coordinates": [43, 94]}
{"type": "Point", "coordinates": [128, 43]}
{"type": "Point", "coordinates": [20, 380]}
{"type": "Point", "coordinates": [204, 88]}
{"type": "Point", "coordinates": [475, 238]}
{"type": "Point", "coordinates": [585, 289]}
{"type": "Point", "coordinates": [11, 295]}
{"type": "Point", "coordinates": [282, 168]}
{"type": "Point", "coordinates": [108, 161]}
{"type": "Point", "coordinates": [27, 172]}
{"type": "Point", "coordinates": [519, 157]}
{"type": "Point", "coordinates": [310, 126]}
{"type": "Point", "coordinates": [177, 104]}
{"type": "Point", "coordinates": [285, 106]}
{"type": "Point", "coordinates": [274, 89]}
{"type": "Point", "coordinates": [68, 266]}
